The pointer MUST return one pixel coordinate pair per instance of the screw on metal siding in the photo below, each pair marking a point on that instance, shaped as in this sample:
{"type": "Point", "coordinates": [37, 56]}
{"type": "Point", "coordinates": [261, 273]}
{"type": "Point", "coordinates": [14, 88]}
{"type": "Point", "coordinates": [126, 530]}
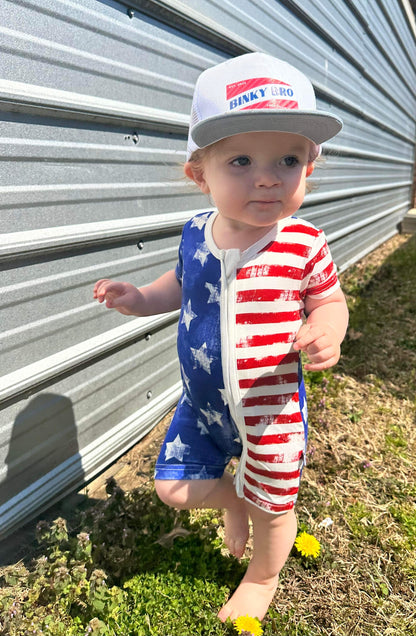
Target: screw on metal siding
{"type": "Point", "coordinates": [140, 245]}
{"type": "Point", "coordinates": [148, 336]}
{"type": "Point", "coordinates": [130, 13]}
{"type": "Point", "coordinates": [149, 395]}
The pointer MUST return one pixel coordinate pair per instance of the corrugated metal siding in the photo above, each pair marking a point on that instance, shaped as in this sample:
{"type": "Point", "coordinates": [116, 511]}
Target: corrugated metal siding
{"type": "Point", "coordinates": [94, 100]}
{"type": "Point", "coordinates": [361, 58]}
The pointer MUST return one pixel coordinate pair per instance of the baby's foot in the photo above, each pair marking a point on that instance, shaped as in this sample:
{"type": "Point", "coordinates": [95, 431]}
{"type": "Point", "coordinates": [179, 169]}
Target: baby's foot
{"type": "Point", "coordinates": [249, 598]}
{"type": "Point", "coordinates": [236, 530]}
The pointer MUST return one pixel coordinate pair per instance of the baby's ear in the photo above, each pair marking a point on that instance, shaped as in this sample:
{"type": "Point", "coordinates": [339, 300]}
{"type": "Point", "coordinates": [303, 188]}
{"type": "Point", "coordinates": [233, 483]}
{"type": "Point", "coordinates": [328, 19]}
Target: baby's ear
{"type": "Point", "coordinates": [195, 172]}
{"type": "Point", "coordinates": [309, 168]}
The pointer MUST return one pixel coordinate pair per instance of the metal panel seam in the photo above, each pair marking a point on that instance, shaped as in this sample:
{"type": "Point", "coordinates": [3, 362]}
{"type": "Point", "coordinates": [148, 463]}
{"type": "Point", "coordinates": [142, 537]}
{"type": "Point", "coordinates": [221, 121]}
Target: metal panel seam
{"type": "Point", "coordinates": [409, 15]}
{"type": "Point", "coordinates": [46, 371]}
{"type": "Point", "coordinates": [307, 19]}
{"type": "Point", "coordinates": [345, 193]}
{"type": "Point", "coordinates": [367, 28]}
{"type": "Point", "coordinates": [189, 21]}
{"type": "Point", "coordinates": [367, 250]}
{"type": "Point", "coordinates": [46, 240]}
{"type": "Point", "coordinates": [334, 236]}
{"type": "Point", "coordinates": [397, 34]}
{"type": "Point", "coordinates": [56, 102]}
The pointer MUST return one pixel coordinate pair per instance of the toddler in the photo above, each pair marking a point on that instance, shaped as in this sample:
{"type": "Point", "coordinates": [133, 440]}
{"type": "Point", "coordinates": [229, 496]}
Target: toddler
{"type": "Point", "coordinates": [256, 286]}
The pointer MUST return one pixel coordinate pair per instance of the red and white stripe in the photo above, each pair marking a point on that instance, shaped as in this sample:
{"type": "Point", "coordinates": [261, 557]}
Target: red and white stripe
{"type": "Point", "coordinates": [273, 104]}
{"type": "Point", "coordinates": [269, 298]}
{"type": "Point", "coordinates": [243, 86]}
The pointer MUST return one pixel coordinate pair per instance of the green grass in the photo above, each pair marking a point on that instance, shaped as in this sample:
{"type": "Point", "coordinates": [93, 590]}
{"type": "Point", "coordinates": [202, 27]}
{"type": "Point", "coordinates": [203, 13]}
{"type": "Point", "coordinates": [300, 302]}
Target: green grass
{"type": "Point", "coordinates": [129, 566]}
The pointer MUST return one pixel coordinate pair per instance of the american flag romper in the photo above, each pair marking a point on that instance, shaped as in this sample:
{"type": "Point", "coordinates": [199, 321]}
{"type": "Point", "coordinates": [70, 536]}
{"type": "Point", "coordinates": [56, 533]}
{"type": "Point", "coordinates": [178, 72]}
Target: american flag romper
{"type": "Point", "coordinates": [243, 391]}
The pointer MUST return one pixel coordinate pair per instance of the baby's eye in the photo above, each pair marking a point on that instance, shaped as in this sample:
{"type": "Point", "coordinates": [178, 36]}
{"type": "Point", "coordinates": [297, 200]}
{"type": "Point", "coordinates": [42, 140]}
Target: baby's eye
{"type": "Point", "coordinates": [290, 161]}
{"type": "Point", "coordinates": [241, 161]}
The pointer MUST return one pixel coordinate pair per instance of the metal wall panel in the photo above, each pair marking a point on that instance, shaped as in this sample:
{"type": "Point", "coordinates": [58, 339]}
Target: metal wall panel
{"type": "Point", "coordinates": [94, 110]}
{"type": "Point", "coordinates": [94, 106]}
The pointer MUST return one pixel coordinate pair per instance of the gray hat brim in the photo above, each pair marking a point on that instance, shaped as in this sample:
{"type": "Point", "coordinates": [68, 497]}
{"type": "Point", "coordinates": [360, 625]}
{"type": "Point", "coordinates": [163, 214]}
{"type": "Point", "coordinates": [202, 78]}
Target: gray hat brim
{"type": "Point", "coordinates": [318, 126]}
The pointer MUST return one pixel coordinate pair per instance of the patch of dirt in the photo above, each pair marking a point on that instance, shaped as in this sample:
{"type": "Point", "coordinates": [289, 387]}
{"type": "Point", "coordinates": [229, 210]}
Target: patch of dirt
{"type": "Point", "coordinates": [134, 468]}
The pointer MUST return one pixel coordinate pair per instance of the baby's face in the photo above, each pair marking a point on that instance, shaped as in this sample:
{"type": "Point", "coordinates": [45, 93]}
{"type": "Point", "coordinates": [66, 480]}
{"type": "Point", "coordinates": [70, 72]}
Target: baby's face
{"type": "Point", "coordinates": [258, 178]}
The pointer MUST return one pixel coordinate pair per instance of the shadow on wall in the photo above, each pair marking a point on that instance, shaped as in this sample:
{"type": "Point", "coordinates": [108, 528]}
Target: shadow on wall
{"type": "Point", "coordinates": [43, 459]}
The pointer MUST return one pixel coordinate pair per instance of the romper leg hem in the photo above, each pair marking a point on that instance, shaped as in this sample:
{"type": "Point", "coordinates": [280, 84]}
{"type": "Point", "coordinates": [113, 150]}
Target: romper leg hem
{"type": "Point", "coordinates": [189, 471]}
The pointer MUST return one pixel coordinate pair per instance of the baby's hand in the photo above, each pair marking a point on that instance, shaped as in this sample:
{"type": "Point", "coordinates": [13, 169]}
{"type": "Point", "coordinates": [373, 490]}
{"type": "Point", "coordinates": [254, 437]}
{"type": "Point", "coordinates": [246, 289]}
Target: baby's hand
{"type": "Point", "coordinates": [320, 343]}
{"type": "Point", "coordinates": [124, 297]}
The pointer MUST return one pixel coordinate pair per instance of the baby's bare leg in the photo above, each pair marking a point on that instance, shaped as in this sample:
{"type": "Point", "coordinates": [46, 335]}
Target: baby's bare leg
{"type": "Point", "coordinates": [274, 536]}
{"type": "Point", "coordinates": [211, 493]}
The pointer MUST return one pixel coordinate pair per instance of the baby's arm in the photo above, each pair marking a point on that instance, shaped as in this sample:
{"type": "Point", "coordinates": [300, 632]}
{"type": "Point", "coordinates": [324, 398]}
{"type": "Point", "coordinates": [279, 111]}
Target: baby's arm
{"type": "Point", "coordinates": [321, 336]}
{"type": "Point", "coordinates": [163, 295]}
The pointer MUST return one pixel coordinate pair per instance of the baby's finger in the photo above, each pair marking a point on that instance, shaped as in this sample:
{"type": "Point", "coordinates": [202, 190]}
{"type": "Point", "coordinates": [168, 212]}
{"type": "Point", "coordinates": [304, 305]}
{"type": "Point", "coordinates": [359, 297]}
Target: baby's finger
{"type": "Point", "coordinates": [305, 336]}
{"type": "Point", "coordinates": [104, 290]}
{"type": "Point", "coordinates": [98, 285]}
{"type": "Point", "coordinates": [323, 357]}
{"type": "Point", "coordinates": [321, 366]}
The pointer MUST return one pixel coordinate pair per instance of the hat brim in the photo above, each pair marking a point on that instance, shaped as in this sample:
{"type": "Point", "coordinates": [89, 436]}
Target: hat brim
{"type": "Point", "coordinates": [316, 126]}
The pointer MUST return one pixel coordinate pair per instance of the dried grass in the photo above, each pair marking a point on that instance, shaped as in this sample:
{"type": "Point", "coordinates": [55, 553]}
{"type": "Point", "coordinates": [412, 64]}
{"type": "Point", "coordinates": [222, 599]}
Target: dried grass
{"type": "Point", "coordinates": [361, 465]}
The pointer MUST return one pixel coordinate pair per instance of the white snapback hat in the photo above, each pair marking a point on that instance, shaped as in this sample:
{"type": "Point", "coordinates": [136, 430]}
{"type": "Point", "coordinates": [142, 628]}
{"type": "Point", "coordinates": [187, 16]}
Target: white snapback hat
{"type": "Point", "coordinates": [252, 93]}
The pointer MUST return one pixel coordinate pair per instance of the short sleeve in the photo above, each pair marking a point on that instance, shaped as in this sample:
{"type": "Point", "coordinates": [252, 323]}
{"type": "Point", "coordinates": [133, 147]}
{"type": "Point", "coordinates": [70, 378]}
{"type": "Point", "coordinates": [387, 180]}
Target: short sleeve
{"type": "Point", "coordinates": [320, 274]}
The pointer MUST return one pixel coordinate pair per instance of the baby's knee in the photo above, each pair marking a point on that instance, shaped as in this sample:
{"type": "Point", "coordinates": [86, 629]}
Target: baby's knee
{"type": "Point", "coordinates": [172, 492]}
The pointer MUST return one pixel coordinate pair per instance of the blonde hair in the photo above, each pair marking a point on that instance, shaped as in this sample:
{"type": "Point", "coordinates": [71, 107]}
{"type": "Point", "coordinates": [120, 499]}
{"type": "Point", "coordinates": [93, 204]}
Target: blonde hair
{"type": "Point", "coordinates": [198, 156]}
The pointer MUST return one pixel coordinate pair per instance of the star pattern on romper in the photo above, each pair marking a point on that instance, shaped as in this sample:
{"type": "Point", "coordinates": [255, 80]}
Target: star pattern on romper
{"type": "Point", "coordinates": [199, 221]}
{"type": "Point", "coordinates": [213, 416]}
{"type": "Point", "coordinates": [201, 254]}
{"type": "Point", "coordinates": [214, 293]}
{"type": "Point", "coordinates": [185, 380]}
{"type": "Point", "coordinates": [176, 449]}
{"type": "Point", "coordinates": [201, 358]}
{"type": "Point", "coordinates": [202, 428]}
{"type": "Point", "coordinates": [223, 395]}
{"type": "Point", "coordinates": [305, 411]}
{"type": "Point", "coordinates": [185, 400]}
{"type": "Point", "coordinates": [201, 475]}
{"type": "Point", "coordinates": [188, 315]}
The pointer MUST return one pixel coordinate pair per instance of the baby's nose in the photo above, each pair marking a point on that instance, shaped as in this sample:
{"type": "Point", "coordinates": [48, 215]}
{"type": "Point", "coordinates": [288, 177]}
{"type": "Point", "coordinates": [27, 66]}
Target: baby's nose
{"type": "Point", "coordinates": [267, 177]}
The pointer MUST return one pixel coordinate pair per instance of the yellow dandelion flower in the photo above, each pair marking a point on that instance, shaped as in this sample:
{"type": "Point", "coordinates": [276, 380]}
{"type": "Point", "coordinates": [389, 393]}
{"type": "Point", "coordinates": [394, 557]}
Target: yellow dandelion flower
{"type": "Point", "coordinates": [248, 625]}
{"type": "Point", "coordinates": [307, 545]}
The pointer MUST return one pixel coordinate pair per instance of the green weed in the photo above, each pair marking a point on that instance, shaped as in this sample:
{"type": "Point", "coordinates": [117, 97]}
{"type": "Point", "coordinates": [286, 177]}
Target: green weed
{"type": "Point", "coordinates": [360, 520]}
{"type": "Point", "coordinates": [182, 604]}
{"type": "Point", "coordinates": [61, 593]}
{"type": "Point", "coordinates": [405, 515]}
{"type": "Point", "coordinates": [395, 440]}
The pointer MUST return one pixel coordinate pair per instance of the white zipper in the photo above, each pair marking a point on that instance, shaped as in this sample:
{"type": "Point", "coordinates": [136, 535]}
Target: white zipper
{"type": "Point", "coordinates": [229, 261]}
